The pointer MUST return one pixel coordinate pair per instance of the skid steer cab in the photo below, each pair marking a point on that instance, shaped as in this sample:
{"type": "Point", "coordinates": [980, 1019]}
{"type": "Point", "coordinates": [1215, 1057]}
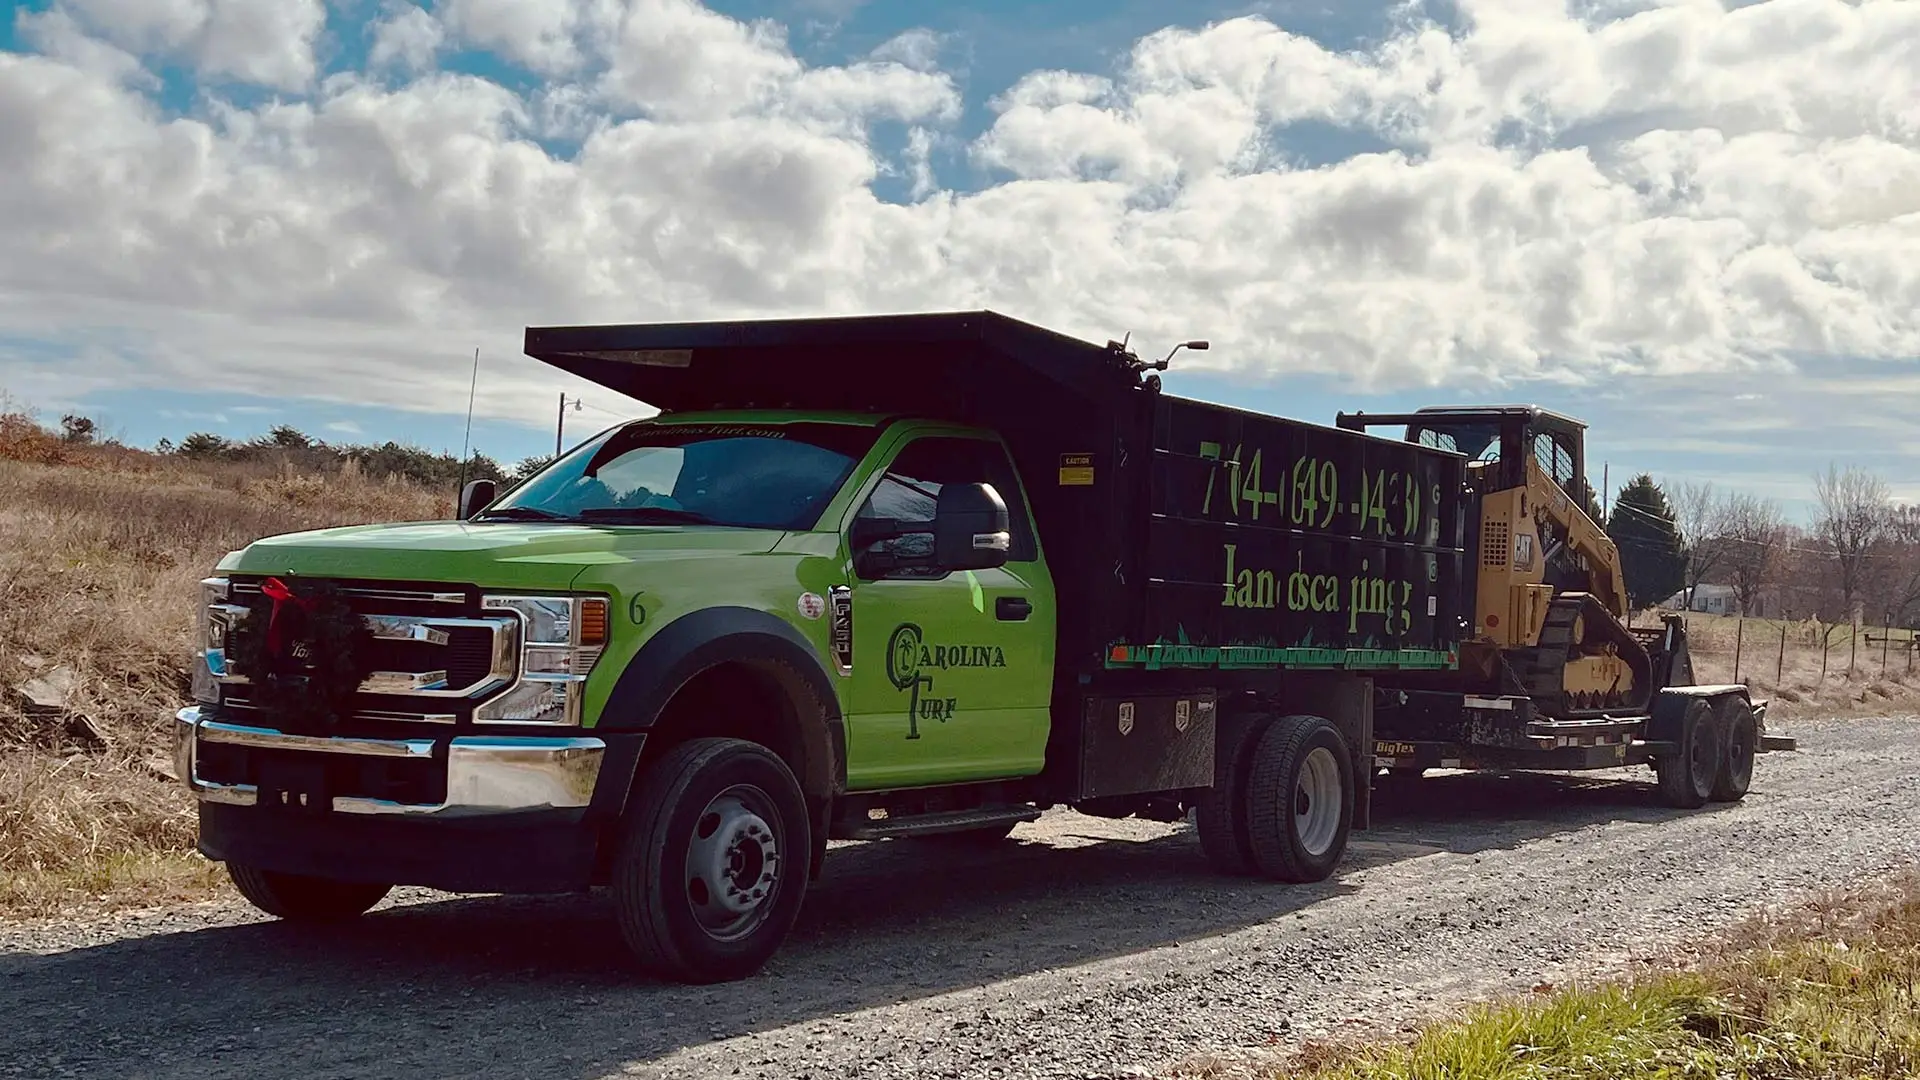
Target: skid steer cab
{"type": "Point", "coordinates": [915, 578]}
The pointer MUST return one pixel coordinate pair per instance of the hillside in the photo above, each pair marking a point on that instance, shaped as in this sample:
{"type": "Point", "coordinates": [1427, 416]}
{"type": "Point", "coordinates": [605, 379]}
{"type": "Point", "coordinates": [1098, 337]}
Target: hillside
{"type": "Point", "coordinates": [101, 549]}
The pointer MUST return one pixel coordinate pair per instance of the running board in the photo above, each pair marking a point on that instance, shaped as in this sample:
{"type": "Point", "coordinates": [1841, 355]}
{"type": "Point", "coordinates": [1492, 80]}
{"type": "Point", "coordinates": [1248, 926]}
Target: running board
{"type": "Point", "coordinates": [944, 822]}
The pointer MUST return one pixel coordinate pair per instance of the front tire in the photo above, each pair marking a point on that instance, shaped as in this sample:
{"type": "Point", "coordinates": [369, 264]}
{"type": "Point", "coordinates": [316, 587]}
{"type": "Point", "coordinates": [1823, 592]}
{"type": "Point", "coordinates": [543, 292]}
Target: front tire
{"type": "Point", "coordinates": [1299, 799]}
{"type": "Point", "coordinates": [713, 861]}
{"type": "Point", "coordinates": [297, 898]}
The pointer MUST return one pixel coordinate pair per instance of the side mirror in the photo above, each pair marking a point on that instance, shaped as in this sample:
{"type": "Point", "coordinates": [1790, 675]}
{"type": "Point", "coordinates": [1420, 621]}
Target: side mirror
{"type": "Point", "coordinates": [971, 529]}
{"type": "Point", "coordinates": [477, 494]}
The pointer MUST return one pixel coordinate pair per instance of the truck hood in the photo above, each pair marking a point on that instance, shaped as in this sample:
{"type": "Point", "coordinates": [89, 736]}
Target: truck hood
{"type": "Point", "coordinates": [502, 554]}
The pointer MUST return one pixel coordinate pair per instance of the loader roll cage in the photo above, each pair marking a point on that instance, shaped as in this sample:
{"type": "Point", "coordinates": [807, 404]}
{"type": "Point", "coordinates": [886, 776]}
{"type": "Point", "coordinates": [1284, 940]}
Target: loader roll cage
{"type": "Point", "coordinates": [1500, 436]}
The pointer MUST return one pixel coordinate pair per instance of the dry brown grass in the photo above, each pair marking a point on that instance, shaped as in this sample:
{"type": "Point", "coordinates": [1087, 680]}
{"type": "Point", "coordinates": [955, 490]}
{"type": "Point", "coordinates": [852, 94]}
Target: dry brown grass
{"type": "Point", "coordinates": [1794, 682]}
{"type": "Point", "coordinates": [101, 551]}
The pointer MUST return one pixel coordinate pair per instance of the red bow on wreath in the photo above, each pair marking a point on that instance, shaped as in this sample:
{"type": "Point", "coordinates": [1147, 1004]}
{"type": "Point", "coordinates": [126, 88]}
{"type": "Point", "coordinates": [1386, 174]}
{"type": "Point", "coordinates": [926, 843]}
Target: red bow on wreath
{"type": "Point", "coordinates": [276, 590]}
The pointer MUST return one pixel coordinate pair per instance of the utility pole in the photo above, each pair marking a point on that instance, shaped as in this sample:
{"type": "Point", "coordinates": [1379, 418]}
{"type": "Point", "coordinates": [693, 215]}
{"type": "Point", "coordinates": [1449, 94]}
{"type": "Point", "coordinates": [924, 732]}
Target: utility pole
{"type": "Point", "coordinates": [466, 443]}
{"type": "Point", "coordinates": [560, 425]}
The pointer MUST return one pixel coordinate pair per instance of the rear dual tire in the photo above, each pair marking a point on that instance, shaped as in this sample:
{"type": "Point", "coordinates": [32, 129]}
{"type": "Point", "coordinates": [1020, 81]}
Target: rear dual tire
{"type": "Point", "coordinates": [1282, 802]}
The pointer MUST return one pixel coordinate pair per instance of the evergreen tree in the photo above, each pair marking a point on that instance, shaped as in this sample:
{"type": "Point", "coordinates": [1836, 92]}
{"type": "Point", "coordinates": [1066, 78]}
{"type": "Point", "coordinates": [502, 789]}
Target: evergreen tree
{"type": "Point", "coordinates": [205, 445]}
{"type": "Point", "coordinates": [1642, 526]}
{"type": "Point", "coordinates": [525, 471]}
{"type": "Point", "coordinates": [1591, 505]}
{"type": "Point", "coordinates": [77, 429]}
{"type": "Point", "coordinates": [287, 437]}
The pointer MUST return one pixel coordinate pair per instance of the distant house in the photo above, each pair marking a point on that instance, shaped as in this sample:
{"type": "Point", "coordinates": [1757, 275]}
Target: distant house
{"type": "Point", "coordinates": [1707, 599]}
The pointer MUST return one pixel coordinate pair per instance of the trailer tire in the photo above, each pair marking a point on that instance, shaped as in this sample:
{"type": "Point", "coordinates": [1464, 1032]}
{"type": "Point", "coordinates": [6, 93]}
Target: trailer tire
{"type": "Point", "coordinates": [1218, 816]}
{"type": "Point", "coordinates": [1740, 735]}
{"type": "Point", "coordinates": [297, 898]}
{"type": "Point", "coordinates": [1299, 799]}
{"type": "Point", "coordinates": [1687, 775]}
{"type": "Point", "coordinates": [719, 832]}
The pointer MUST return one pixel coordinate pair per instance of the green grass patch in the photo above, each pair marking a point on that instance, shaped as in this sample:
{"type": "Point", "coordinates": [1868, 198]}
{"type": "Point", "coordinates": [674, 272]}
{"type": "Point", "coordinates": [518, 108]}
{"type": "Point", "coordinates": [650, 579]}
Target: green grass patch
{"type": "Point", "coordinates": [1832, 996]}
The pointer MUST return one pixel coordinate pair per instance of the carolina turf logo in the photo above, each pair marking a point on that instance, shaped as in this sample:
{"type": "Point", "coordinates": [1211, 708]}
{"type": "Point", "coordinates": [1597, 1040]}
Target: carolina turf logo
{"type": "Point", "coordinates": [911, 660]}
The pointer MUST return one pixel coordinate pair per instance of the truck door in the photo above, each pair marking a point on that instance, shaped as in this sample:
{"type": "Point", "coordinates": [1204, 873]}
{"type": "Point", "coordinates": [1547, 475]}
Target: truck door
{"type": "Point", "coordinates": [953, 672]}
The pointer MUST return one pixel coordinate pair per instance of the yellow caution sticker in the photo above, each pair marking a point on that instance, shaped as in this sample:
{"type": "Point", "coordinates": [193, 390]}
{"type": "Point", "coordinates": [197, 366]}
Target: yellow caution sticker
{"type": "Point", "coordinates": [1076, 470]}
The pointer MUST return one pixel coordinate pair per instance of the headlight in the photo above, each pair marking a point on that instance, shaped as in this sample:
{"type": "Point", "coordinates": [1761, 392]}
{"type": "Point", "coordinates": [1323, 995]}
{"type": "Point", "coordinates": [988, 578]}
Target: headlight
{"type": "Point", "coordinates": [562, 638]}
{"type": "Point", "coordinates": [210, 639]}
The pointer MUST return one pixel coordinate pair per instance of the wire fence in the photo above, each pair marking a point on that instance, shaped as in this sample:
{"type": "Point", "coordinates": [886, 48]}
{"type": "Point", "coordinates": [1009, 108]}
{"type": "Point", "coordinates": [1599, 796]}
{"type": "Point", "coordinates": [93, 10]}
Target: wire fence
{"type": "Point", "coordinates": [1816, 651]}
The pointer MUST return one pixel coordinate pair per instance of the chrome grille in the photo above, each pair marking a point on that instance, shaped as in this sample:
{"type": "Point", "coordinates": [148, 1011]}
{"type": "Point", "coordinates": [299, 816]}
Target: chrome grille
{"type": "Point", "coordinates": [433, 654]}
{"type": "Point", "coordinates": [374, 595]}
{"type": "Point", "coordinates": [240, 704]}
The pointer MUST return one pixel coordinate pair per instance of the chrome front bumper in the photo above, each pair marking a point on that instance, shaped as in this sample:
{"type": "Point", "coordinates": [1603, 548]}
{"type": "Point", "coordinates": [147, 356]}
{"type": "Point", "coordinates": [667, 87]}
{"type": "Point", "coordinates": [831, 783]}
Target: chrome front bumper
{"type": "Point", "coordinates": [486, 774]}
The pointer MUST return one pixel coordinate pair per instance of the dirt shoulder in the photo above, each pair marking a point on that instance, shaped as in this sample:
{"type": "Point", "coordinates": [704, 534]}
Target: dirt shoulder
{"type": "Point", "coordinates": [1090, 948]}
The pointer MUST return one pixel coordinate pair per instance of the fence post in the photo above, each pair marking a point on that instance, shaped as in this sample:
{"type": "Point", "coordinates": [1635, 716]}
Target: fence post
{"type": "Point", "coordinates": [1739, 634]}
{"type": "Point", "coordinates": [1886, 643]}
{"type": "Point", "coordinates": [1780, 665]}
{"type": "Point", "coordinates": [1826, 646]}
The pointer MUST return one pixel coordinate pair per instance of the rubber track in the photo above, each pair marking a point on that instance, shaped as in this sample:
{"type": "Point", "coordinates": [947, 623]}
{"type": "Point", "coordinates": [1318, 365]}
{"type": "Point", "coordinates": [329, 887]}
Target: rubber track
{"type": "Point", "coordinates": [1542, 670]}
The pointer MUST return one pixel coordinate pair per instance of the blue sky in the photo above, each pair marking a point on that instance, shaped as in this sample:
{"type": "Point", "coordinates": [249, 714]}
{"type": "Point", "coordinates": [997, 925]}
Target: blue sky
{"type": "Point", "coordinates": [1363, 206]}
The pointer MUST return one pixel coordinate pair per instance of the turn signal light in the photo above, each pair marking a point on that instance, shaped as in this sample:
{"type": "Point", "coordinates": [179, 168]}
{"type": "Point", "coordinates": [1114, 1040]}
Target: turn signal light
{"type": "Point", "coordinates": [593, 621]}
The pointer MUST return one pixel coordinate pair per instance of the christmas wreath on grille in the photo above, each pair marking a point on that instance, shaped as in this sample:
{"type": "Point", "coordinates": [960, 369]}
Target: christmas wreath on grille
{"type": "Point", "coordinates": [302, 654]}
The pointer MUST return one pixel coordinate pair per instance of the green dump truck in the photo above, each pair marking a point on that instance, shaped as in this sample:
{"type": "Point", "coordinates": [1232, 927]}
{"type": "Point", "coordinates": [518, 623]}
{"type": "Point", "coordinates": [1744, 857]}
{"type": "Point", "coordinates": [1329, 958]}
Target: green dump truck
{"type": "Point", "coordinates": [918, 576]}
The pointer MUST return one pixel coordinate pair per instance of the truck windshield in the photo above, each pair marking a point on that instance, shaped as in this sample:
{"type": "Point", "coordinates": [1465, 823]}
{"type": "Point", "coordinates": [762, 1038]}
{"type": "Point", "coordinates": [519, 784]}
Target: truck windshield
{"type": "Point", "coordinates": [752, 476]}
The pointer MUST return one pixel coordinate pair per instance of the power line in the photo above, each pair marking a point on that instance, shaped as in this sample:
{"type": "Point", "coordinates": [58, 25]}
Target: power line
{"type": "Point", "coordinates": [596, 408]}
{"type": "Point", "coordinates": [1671, 531]}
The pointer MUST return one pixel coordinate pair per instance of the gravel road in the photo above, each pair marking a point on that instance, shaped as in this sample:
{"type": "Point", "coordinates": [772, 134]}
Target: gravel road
{"type": "Point", "coordinates": [1086, 949]}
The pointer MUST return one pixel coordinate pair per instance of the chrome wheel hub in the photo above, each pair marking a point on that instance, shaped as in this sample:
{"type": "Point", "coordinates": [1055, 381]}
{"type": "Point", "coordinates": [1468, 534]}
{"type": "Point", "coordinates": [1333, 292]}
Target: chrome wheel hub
{"type": "Point", "coordinates": [1316, 801]}
{"type": "Point", "coordinates": [733, 862]}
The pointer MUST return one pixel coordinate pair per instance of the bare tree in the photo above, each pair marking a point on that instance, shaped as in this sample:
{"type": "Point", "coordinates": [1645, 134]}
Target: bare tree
{"type": "Point", "coordinates": [1753, 538]}
{"type": "Point", "coordinates": [1701, 516]}
{"type": "Point", "coordinates": [1899, 580]}
{"type": "Point", "coordinates": [1853, 517]}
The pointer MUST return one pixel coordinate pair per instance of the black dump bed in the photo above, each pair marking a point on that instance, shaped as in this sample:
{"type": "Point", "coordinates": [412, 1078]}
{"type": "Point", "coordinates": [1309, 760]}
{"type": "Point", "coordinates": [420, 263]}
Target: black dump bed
{"type": "Point", "coordinates": [1179, 533]}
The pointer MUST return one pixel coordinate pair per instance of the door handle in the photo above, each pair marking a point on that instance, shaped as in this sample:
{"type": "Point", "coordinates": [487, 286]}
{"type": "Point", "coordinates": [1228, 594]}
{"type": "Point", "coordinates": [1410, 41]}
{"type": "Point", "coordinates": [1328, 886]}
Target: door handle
{"type": "Point", "coordinates": [1012, 608]}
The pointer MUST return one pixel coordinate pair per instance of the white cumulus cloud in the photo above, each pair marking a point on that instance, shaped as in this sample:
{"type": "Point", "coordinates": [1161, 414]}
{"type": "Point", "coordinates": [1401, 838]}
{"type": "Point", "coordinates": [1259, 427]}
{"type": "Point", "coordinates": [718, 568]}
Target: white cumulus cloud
{"type": "Point", "coordinates": [263, 42]}
{"type": "Point", "coordinates": [407, 36]}
{"type": "Point", "coordinates": [1666, 190]}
